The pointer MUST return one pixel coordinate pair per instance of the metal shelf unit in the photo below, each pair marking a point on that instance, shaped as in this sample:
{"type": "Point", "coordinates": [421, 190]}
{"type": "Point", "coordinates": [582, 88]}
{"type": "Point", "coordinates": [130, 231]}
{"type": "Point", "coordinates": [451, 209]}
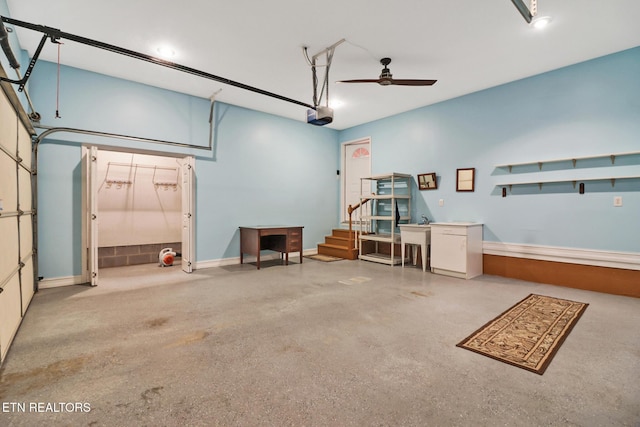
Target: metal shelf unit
{"type": "Point", "coordinates": [390, 206]}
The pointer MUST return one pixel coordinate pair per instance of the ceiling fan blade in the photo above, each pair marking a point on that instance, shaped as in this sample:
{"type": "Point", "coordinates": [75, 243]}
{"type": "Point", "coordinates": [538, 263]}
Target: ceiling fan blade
{"type": "Point", "coordinates": [412, 82]}
{"type": "Point", "coordinates": [359, 81]}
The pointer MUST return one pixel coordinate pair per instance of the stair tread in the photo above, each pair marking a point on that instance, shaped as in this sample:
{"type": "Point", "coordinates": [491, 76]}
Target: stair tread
{"type": "Point", "coordinates": [329, 245]}
{"type": "Point", "coordinates": [337, 240]}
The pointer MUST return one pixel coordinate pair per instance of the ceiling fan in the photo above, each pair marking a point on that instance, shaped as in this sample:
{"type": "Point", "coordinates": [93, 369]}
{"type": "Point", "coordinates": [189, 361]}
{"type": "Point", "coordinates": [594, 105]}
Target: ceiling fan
{"type": "Point", "coordinates": [386, 79]}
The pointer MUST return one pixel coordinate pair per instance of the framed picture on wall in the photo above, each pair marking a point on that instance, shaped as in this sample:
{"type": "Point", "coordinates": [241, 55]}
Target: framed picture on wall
{"type": "Point", "coordinates": [427, 181]}
{"type": "Point", "coordinates": [465, 179]}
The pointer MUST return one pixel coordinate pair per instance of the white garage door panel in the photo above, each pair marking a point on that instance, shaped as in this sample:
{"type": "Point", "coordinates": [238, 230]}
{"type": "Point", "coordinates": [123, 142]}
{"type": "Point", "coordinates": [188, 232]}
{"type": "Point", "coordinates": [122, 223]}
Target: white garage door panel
{"type": "Point", "coordinates": [9, 258]}
{"type": "Point", "coordinates": [25, 189]}
{"type": "Point", "coordinates": [8, 183]}
{"type": "Point", "coordinates": [16, 232]}
{"type": "Point", "coordinates": [10, 315]}
{"type": "Point", "coordinates": [26, 235]}
{"type": "Point", "coordinates": [27, 278]}
{"type": "Point", "coordinates": [8, 124]}
{"type": "Point", "coordinates": [24, 146]}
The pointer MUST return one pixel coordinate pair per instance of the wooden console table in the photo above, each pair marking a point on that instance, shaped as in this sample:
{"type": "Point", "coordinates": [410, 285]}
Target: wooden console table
{"type": "Point", "coordinates": [282, 238]}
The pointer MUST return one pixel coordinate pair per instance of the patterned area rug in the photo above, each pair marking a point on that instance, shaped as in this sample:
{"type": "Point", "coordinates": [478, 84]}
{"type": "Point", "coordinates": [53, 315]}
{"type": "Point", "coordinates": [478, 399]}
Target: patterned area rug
{"type": "Point", "coordinates": [529, 334]}
{"type": "Point", "coordinates": [324, 258]}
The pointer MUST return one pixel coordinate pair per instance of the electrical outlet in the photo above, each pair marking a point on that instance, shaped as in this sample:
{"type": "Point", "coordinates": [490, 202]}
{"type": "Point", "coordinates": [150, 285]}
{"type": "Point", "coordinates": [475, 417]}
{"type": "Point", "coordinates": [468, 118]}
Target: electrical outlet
{"type": "Point", "coordinates": [617, 201]}
{"type": "Point", "coordinates": [441, 202]}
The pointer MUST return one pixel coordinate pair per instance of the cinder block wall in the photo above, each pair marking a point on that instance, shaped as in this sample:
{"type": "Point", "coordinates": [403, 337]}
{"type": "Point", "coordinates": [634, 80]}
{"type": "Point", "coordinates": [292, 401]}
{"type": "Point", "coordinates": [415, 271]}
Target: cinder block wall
{"type": "Point", "coordinates": [119, 256]}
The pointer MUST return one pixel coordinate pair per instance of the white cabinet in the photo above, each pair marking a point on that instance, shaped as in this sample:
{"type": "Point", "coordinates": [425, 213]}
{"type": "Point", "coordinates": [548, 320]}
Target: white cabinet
{"type": "Point", "coordinates": [456, 249]}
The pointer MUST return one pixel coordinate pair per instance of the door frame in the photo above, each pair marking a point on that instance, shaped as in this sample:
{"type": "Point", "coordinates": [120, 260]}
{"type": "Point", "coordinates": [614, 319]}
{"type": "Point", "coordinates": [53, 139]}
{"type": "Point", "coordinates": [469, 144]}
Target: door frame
{"type": "Point", "coordinates": [89, 215]}
{"type": "Point", "coordinates": [188, 213]}
{"type": "Point", "coordinates": [90, 271]}
{"type": "Point", "coordinates": [343, 167]}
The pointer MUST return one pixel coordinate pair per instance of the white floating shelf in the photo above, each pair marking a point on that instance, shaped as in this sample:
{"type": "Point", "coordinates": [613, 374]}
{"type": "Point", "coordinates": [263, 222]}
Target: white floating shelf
{"type": "Point", "coordinates": [570, 159]}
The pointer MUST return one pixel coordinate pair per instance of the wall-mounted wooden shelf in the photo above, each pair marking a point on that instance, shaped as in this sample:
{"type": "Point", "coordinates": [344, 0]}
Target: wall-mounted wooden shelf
{"type": "Point", "coordinates": [541, 182]}
{"type": "Point", "coordinates": [574, 160]}
{"type": "Point", "coordinates": [621, 172]}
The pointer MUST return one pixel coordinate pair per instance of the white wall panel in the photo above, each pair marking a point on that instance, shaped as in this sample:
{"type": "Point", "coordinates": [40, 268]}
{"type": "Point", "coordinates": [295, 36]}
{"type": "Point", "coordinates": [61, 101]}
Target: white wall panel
{"type": "Point", "coordinates": [139, 199]}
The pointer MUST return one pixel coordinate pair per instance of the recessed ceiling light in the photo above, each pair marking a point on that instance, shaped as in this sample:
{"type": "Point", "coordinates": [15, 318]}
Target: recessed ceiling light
{"type": "Point", "coordinates": [336, 103]}
{"type": "Point", "coordinates": [166, 52]}
{"type": "Point", "coordinates": [540, 22]}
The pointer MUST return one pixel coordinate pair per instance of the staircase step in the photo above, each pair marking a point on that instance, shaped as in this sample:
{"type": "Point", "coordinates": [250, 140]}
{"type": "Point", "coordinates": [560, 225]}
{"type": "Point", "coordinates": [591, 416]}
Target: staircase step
{"type": "Point", "coordinates": [339, 241]}
{"type": "Point", "coordinates": [344, 233]}
{"type": "Point", "coordinates": [337, 251]}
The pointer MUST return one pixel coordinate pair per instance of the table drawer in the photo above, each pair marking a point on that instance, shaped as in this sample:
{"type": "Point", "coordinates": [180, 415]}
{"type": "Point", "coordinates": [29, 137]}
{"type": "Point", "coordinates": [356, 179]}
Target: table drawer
{"type": "Point", "coordinates": [295, 245]}
{"type": "Point", "coordinates": [295, 240]}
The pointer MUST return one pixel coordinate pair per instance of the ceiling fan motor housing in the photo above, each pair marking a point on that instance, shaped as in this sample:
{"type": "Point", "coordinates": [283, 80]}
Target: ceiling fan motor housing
{"type": "Point", "coordinates": [385, 75]}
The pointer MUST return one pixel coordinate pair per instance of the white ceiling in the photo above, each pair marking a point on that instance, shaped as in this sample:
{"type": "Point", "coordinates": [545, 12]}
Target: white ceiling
{"type": "Point", "coordinates": [466, 45]}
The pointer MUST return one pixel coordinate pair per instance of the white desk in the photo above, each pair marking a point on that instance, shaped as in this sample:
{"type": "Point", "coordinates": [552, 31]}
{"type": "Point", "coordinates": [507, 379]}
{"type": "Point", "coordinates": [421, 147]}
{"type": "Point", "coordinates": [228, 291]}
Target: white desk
{"type": "Point", "coordinates": [416, 234]}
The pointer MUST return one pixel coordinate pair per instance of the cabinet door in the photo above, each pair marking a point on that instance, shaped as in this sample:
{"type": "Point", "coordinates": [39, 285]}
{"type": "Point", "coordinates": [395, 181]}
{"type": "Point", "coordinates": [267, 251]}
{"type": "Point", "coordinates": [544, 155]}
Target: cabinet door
{"type": "Point", "coordinates": [449, 251]}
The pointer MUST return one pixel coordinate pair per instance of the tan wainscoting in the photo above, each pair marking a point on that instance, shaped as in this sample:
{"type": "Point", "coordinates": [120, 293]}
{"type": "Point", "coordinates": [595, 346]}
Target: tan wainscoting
{"type": "Point", "coordinates": [592, 278]}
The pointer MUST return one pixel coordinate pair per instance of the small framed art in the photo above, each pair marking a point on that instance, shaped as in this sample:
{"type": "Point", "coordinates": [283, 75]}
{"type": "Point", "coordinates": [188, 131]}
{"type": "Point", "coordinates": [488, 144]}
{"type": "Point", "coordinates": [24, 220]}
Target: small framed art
{"type": "Point", "coordinates": [427, 181]}
{"type": "Point", "coordinates": [465, 179]}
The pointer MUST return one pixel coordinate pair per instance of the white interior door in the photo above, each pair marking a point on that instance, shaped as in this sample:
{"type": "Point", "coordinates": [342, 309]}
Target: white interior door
{"type": "Point", "coordinates": [188, 211]}
{"type": "Point", "coordinates": [90, 215]}
{"type": "Point", "coordinates": [356, 164]}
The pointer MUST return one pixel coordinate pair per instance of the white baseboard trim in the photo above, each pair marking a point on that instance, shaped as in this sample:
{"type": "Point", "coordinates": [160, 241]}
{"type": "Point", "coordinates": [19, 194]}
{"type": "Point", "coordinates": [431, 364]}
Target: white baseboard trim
{"type": "Point", "coordinates": [57, 282]}
{"type": "Point", "coordinates": [247, 259]}
{"type": "Point", "coordinates": [611, 259]}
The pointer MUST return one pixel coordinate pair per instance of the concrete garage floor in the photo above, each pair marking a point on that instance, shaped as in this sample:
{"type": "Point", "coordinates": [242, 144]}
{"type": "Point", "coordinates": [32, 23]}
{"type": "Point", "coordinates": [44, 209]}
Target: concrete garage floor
{"type": "Point", "coordinates": [329, 344]}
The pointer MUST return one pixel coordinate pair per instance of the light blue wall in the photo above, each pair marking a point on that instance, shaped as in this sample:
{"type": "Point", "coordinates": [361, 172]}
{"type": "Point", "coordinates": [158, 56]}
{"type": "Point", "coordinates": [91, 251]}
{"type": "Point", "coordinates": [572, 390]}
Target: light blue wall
{"type": "Point", "coordinates": [586, 109]}
{"type": "Point", "coordinates": [263, 169]}
{"type": "Point", "coordinates": [266, 169]}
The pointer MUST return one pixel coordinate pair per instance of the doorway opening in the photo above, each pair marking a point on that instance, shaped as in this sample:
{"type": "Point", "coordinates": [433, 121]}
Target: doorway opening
{"type": "Point", "coordinates": [135, 206]}
{"type": "Point", "coordinates": [356, 164]}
